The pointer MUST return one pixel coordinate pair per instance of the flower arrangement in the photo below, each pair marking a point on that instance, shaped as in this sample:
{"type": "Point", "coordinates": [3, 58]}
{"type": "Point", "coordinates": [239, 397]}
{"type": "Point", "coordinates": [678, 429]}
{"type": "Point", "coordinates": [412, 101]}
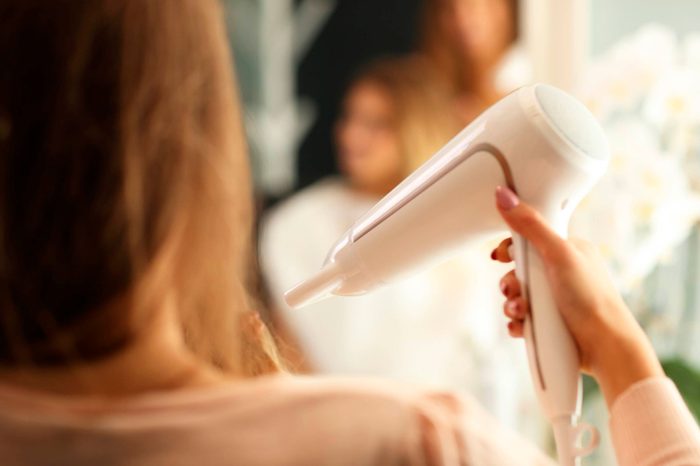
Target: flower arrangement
{"type": "Point", "coordinates": [646, 92]}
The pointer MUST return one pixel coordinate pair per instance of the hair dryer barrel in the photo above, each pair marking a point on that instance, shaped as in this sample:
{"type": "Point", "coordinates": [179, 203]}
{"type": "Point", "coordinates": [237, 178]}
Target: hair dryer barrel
{"type": "Point", "coordinates": [315, 288]}
{"type": "Point", "coordinates": [430, 223]}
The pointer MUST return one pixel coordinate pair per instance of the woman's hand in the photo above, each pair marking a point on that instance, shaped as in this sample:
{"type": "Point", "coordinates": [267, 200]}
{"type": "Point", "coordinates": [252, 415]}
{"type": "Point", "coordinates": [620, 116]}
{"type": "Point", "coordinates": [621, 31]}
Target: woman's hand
{"type": "Point", "coordinates": [612, 346]}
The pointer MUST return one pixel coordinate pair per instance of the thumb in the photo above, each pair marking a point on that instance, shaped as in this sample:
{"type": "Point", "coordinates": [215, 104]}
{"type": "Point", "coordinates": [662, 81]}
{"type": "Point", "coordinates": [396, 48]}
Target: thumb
{"type": "Point", "coordinates": [528, 223]}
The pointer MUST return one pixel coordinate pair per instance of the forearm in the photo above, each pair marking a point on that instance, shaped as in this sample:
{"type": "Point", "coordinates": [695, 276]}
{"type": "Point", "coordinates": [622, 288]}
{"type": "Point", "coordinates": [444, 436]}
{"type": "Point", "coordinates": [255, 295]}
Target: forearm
{"type": "Point", "coordinates": [622, 361]}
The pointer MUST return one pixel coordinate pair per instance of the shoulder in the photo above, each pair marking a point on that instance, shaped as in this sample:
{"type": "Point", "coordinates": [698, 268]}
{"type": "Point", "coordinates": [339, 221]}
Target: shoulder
{"type": "Point", "coordinates": [390, 400]}
{"type": "Point", "coordinates": [366, 418]}
{"type": "Point", "coordinates": [413, 425]}
{"type": "Point", "coordinates": [271, 420]}
{"type": "Point", "coordinates": [398, 398]}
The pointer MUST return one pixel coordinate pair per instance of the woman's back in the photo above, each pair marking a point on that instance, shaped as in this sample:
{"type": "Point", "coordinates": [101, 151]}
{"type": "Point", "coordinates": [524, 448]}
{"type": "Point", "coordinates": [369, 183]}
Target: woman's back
{"type": "Point", "coordinates": [275, 420]}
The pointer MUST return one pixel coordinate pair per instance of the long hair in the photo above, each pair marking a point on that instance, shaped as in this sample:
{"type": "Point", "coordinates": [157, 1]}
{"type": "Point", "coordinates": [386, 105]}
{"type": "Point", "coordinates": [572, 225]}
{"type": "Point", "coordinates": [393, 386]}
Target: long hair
{"type": "Point", "coordinates": [444, 52]}
{"type": "Point", "coordinates": [123, 179]}
{"type": "Point", "coordinates": [423, 116]}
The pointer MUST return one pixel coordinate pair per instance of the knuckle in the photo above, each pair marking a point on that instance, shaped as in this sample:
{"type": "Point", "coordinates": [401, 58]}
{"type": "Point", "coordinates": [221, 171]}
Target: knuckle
{"type": "Point", "coordinates": [583, 245]}
{"type": "Point", "coordinates": [565, 255]}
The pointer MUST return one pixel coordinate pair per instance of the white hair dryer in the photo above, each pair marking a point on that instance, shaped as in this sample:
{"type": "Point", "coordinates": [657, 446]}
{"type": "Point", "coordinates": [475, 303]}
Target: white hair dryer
{"type": "Point", "coordinates": [542, 144]}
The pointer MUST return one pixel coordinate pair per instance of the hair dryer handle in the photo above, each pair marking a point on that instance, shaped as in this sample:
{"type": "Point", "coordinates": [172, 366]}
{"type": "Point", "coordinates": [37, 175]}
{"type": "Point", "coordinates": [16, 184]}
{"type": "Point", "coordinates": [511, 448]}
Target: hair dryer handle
{"type": "Point", "coordinates": [552, 353]}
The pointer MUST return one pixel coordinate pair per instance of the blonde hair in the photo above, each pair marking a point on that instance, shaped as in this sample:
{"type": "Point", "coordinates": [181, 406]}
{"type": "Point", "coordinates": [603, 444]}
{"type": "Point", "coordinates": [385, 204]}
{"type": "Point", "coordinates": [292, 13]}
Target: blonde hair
{"type": "Point", "coordinates": [424, 117]}
{"type": "Point", "coordinates": [444, 52]}
{"type": "Point", "coordinates": [123, 180]}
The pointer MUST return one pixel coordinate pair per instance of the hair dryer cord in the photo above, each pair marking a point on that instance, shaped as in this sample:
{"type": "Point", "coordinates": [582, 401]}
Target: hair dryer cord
{"type": "Point", "coordinates": [568, 434]}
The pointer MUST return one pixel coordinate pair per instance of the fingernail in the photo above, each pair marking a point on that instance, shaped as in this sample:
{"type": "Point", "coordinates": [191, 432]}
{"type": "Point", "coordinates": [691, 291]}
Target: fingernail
{"type": "Point", "coordinates": [505, 198]}
{"type": "Point", "coordinates": [504, 288]}
{"type": "Point", "coordinates": [512, 309]}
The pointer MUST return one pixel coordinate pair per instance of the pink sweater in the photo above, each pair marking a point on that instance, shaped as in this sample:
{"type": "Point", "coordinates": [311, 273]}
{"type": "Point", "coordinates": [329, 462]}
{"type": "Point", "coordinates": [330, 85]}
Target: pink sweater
{"type": "Point", "coordinates": [296, 421]}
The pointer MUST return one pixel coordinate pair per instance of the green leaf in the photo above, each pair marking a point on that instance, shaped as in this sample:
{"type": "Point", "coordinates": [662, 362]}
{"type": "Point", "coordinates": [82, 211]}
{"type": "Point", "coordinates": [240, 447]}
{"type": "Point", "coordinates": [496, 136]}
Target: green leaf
{"type": "Point", "coordinates": [687, 379]}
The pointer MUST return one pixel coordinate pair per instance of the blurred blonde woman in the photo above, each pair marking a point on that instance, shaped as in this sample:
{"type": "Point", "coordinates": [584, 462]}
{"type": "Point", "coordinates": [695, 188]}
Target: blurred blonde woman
{"type": "Point", "coordinates": [473, 47]}
{"type": "Point", "coordinates": [125, 218]}
{"type": "Point", "coordinates": [432, 328]}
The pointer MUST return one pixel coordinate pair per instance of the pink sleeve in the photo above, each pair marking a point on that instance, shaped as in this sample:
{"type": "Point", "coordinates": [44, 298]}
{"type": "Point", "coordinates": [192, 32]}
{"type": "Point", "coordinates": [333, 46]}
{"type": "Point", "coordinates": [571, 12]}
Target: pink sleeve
{"type": "Point", "coordinates": [651, 426]}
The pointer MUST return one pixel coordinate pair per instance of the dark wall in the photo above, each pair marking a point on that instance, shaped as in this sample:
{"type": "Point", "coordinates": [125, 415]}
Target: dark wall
{"type": "Point", "coordinates": [356, 33]}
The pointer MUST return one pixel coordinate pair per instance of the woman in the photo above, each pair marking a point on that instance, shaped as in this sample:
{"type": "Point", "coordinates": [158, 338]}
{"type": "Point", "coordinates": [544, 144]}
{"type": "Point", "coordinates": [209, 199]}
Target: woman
{"type": "Point", "coordinates": [472, 46]}
{"type": "Point", "coordinates": [124, 212]}
{"type": "Point", "coordinates": [429, 328]}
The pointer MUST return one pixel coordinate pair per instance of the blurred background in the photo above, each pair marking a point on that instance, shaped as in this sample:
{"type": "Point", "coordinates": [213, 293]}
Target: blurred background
{"type": "Point", "coordinates": [345, 98]}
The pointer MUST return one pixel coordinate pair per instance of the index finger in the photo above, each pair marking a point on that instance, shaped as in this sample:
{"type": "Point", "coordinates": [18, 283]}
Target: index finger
{"type": "Point", "coordinates": [502, 251]}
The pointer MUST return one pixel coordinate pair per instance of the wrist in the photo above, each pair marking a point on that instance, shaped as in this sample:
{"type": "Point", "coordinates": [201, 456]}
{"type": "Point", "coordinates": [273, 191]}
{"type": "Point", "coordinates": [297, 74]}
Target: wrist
{"type": "Point", "coordinates": [623, 360]}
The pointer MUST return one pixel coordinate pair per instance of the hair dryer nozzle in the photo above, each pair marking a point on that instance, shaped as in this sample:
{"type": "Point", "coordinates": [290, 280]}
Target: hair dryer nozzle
{"type": "Point", "coordinates": [315, 288]}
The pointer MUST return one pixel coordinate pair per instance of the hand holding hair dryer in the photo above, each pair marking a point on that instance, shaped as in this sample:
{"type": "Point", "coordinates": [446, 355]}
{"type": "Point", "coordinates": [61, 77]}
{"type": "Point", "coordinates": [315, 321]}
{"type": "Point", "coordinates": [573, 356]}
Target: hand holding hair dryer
{"type": "Point", "coordinates": [548, 148]}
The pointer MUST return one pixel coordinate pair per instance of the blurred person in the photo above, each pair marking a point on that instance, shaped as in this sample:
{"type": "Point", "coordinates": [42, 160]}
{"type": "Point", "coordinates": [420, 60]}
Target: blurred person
{"type": "Point", "coordinates": [472, 45]}
{"type": "Point", "coordinates": [433, 327]}
{"type": "Point", "coordinates": [125, 212]}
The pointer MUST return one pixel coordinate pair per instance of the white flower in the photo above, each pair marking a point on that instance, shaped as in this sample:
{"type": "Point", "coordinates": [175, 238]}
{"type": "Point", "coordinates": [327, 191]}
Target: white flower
{"type": "Point", "coordinates": [691, 48]}
{"type": "Point", "coordinates": [623, 76]}
{"type": "Point", "coordinates": [603, 90]}
{"type": "Point", "coordinates": [647, 96]}
{"type": "Point", "coordinates": [652, 49]}
{"type": "Point", "coordinates": [645, 200]}
{"type": "Point", "coordinates": [675, 98]}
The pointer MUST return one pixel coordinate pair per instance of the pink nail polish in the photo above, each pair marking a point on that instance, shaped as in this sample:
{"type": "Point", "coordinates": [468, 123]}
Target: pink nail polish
{"type": "Point", "coordinates": [505, 198]}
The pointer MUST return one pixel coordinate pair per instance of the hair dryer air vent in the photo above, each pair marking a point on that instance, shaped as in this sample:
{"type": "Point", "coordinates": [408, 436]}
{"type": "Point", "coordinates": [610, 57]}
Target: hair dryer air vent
{"type": "Point", "coordinates": [573, 120]}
